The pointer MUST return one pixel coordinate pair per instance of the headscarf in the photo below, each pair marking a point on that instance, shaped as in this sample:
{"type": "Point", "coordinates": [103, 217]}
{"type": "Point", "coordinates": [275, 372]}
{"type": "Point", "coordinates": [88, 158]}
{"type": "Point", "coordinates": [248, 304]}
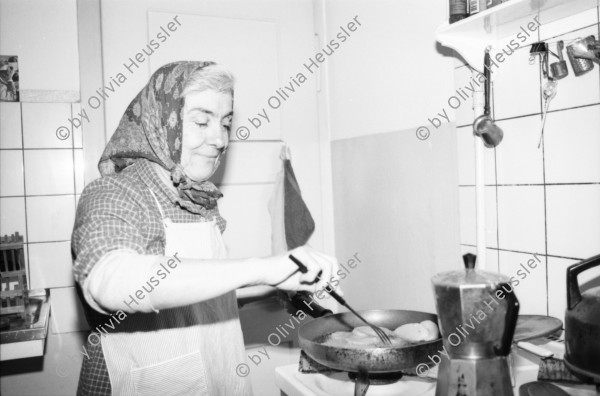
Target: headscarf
{"type": "Point", "coordinates": [152, 128]}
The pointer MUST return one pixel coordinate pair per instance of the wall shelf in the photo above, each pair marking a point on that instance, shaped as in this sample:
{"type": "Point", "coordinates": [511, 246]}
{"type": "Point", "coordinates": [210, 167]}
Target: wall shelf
{"type": "Point", "coordinates": [498, 25]}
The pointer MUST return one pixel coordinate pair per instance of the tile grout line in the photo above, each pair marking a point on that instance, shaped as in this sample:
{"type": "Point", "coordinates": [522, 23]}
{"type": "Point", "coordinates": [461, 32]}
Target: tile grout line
{"type": "Point", "coordinates": [41, 195]}
{"type": "Point", "coordinates": [496, 191]}
{"type": "Point", "coordinates": [530, 114]}
{"type": "Point", "coordinates": [74, 162]}
{"type": "Point", "coordinates": [56, 241]}
{"type": "Point", "coordinates": [514, 251]}
{"type": "Point", "coordinates": [524, 252]}
{"type": "Point", "coordinates": [543, 141]}
{"type": "Point", "coordinates": [535, 184]}
{"type": "Point", "coordinates": [40, 148]}
{"type": "Point", "coordinates": [25, 198]}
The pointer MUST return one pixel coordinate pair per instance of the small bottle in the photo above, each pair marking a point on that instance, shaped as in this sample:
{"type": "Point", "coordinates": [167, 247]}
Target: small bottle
{"type": "Point", "coordinates": [458, 10]}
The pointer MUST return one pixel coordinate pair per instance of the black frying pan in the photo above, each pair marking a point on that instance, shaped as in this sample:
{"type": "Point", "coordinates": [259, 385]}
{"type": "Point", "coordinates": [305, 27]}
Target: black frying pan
{"type": "Point", "coordinates": [371, 360]}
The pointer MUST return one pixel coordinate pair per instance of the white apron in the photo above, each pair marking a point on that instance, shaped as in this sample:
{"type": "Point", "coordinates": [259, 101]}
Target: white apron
{"type": "Point", "coordinates": [191, 350]}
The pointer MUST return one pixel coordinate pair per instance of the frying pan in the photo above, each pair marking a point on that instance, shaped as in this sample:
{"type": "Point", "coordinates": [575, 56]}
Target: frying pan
{"type": "Point", "coordinates": [372, 359]}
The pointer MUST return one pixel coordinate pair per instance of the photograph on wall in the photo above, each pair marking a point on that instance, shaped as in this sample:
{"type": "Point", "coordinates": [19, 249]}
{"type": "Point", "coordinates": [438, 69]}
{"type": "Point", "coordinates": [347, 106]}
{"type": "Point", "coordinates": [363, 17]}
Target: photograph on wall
{"type": "Point", "coordinates": [9, 78]}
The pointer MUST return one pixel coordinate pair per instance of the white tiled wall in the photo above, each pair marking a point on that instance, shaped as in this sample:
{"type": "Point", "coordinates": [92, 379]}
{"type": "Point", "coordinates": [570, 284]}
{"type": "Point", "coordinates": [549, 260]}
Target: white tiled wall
{"type": "Point", "coordinates": [542, 201]}
{"type": "Point", "coordinates": [40, 177]}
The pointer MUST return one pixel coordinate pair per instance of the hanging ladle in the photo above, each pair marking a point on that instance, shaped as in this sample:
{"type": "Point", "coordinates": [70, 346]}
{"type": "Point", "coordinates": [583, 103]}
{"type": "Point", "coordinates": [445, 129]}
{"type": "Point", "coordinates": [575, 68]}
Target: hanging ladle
{"type": "Point", "coordinates": [484, 126]}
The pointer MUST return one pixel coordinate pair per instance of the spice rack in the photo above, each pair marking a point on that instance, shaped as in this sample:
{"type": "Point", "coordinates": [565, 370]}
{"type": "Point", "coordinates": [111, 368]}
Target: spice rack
{"type": "Point", "coordinates": [496, 26]}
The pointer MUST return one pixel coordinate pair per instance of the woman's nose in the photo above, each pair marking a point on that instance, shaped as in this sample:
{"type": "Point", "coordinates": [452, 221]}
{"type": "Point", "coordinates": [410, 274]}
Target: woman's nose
{"type": "Point", "coordinates": [218, 137]}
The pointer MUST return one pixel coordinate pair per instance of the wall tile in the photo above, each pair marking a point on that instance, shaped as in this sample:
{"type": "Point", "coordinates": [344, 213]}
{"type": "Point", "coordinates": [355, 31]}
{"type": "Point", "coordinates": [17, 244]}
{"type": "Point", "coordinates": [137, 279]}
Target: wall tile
{"type": "Point", "coordinates": [531, 289]}
{"type": "Point", "coordinates": [10, 125]}
{"type": "Point", "coordinates": [518, 159]}
{"type": "Point", "coordinates": [11, 173]}
{"type": "Point", "coordinates": [575, 91]}
{"type": "Point", "coordinates": [49, 172]}
{"type": "Point", "coordinates": [570, 155]}
{"type": "Point", "coordinates": [521, 218]}
{"type": "Point", "coordinates": [573, 218]}
{"type": "Point", "coordinates": [67, 311]}
{"type": "Point", "coordinates": [468, 218]}
{"type": "Point", "coordinates": [465, 142]}
{"type": "Point", "coordinates": [571, 146]}
{"type": "Point", "coordinates": [40, 123]}
{"type": "Point", "coordinates": [50, 265]}
{"type": "Point", "coordinates": [467, 210]}
{"type": "Point", "coordinates": [77, 132]}
{"type": "Point", "coordinates": [12, 216]}
{"type": "Point", "coordinates": [50, 219]}
{"type": "Point", "coordinates": [570, 24]}
{"type": "Point", "coordinates": [516, 86]}
{"type": "Point", "coordinates": [79, 171]}
{"type": "Point", "coordinates": [491, 217]}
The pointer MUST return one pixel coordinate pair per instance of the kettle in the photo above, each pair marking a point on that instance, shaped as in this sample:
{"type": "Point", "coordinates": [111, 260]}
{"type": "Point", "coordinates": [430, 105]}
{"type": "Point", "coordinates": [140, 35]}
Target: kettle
{"type": "Point", "coordinates": [582, 324]}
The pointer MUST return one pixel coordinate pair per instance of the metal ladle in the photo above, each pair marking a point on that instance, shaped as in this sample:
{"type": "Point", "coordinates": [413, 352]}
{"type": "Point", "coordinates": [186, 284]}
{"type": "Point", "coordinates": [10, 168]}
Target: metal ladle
{"type": "Point", "coordinates": [484, 126]}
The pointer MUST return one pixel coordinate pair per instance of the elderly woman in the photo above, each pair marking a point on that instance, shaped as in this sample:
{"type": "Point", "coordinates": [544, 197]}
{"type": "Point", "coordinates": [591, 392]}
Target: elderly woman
{"type": "Point", "coordinates": [149, 254]}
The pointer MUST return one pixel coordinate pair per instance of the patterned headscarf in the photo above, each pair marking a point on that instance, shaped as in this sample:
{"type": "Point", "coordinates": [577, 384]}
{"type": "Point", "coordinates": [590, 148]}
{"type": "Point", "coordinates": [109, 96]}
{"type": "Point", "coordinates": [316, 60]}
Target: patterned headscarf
{"type": "Point", "coordinates": [152, 128]}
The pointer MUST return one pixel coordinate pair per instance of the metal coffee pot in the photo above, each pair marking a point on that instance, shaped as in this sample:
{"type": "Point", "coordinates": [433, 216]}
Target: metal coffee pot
{"type": "Point", "coordinates": [477, 313]}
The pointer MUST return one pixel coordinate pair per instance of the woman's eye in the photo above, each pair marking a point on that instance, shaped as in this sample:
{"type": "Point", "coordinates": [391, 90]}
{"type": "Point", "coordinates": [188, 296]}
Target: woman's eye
{"type": "Point", "coordinates": [227, 127]}
{"type": "Point", "coordinates": [201, 124]}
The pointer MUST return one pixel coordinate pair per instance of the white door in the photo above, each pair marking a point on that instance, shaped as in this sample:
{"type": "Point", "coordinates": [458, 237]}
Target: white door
{"type": "Point", "coordinates": [265, 44]}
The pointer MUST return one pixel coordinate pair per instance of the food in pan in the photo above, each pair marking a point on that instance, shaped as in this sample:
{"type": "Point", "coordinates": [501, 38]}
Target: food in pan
{"type": "Point", "coordinates": [365, 337]}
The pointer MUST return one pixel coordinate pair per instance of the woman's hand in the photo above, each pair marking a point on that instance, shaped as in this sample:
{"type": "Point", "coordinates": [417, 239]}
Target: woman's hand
{"type": "Point", "coordinates": [283, 273]}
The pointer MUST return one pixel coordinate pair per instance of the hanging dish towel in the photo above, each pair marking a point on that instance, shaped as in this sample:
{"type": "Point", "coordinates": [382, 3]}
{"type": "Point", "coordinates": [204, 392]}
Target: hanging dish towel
{"type": "Point", "coordinates": [292, 223]}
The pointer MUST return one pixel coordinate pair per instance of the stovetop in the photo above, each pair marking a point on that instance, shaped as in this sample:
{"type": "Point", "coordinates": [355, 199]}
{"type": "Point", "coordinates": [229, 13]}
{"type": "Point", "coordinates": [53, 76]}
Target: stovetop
{"type": "Point", "coordinates": [294, 383]}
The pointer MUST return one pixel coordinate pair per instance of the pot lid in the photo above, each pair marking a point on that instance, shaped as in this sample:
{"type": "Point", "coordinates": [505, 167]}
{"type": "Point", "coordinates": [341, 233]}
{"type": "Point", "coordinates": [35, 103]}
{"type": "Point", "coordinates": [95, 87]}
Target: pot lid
{"type": "Point", "coordinates": [469, 276]}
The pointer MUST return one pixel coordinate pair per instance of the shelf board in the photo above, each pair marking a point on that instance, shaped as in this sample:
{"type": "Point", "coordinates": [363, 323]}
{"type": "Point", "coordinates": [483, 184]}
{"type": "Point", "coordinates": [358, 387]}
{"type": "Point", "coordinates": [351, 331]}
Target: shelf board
{"type": "Point", "coordinates": [496, 26]}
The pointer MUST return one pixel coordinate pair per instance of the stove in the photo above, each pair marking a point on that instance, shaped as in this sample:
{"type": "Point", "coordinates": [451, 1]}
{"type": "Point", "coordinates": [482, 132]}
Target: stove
{"type": "Point", "coordinates": [291, 382]}
{"type": "Point", "coordinates": [294, 383]}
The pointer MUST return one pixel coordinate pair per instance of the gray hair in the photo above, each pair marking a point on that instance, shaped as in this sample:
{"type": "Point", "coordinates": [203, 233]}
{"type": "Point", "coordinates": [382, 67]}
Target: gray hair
{"type": "Point", "coordinates": [213, 77]}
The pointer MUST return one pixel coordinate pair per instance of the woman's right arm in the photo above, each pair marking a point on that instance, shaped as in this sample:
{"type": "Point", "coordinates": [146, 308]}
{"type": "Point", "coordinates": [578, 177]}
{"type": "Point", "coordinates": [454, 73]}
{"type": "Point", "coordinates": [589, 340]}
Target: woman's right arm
{"type": "Point", "coordinates": [112, 266]}
{"type": "Point", "coordinates": [131, 282]}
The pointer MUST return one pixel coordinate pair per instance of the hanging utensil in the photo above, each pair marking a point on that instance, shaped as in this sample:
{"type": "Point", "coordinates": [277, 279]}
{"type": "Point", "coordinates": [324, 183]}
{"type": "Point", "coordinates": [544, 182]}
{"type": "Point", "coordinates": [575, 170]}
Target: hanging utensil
{"type": "Point", "coordinates": [484, 126]}
{"type": "Point", "coordinates": [559, 69]}
{"type": "Point", "coordinates": [380, 333]}
{"type": "Point", "coordinates": [578, 52]}
{"type": "Point", "coordinates": [548, 93]}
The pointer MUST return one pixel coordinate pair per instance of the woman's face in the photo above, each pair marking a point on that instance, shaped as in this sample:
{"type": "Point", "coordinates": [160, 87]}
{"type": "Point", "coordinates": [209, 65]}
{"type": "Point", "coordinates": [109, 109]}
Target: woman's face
{"type": "Point", "coordinates": [206, 123]}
